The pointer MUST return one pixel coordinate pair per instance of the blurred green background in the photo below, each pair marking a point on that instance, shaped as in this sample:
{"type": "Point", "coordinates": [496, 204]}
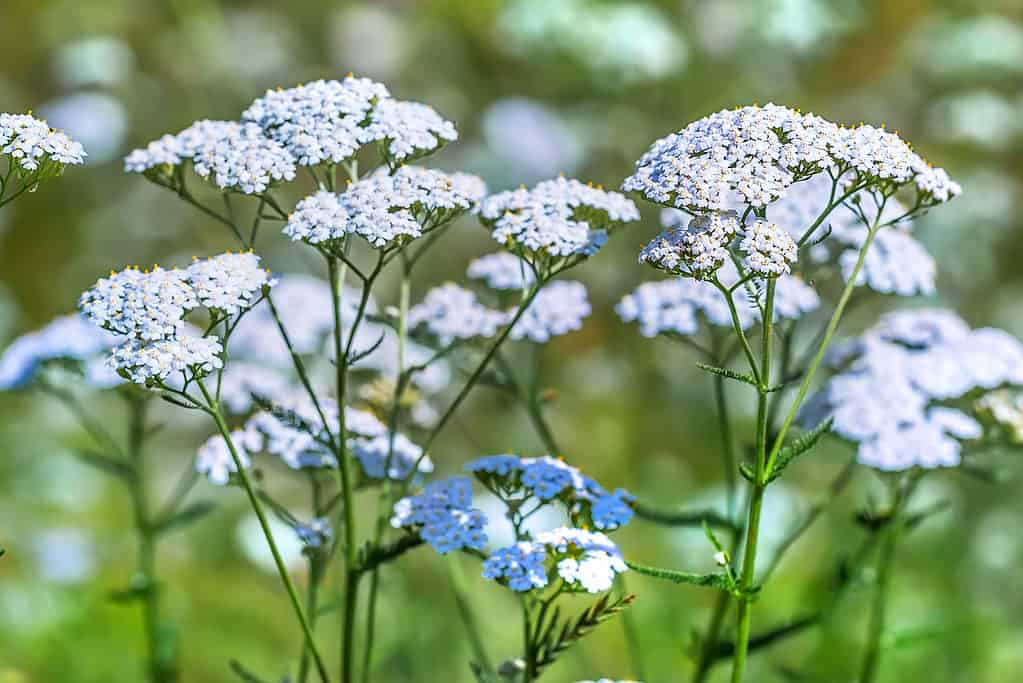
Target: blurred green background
{"type": "Point", "coordinates": [536, 87]}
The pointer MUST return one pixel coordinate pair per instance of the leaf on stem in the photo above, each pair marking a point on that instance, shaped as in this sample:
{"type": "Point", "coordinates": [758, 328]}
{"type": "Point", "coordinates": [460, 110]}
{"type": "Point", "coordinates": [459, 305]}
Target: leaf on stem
{"type": "Point", "coordinates": [106, 463]}
{"type": "Point", "coordinates": [241, 672]}
{"type": "Point", "coordinates": [553, 642]}
{"type": "Point", "coordinates": [798, 447]}
{"type": "Point", "coordinates": [187, 515]}
{"type": "Point", "coordinates": [370, 558]}
{"type": "Point", "coordinates": [717, 580]}
{"type": "Point", "coordinates": [744, 377]}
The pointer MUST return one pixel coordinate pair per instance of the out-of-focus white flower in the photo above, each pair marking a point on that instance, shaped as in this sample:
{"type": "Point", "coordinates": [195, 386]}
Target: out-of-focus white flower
{"type": "Point", "coordinates": [305, 307]}
{"type": "Point", "coordinates": [64, 555]}
{"type": "Point", "coordinates": [99, 60]}
{"type": "Point", "coordinates": [530, 138]}
{"type": "Point", "coordinates": [979, 45]}
{"type": "Point", "coordinates": [451, 313]}
{"type": "Point", "coordinates": [97, 120]}
{"type": "Point", "coordinates": [69, 337]}
{"type": "Point", "coordinates": [559, 217]}
{"type": "Point", "coordinates": [250, 538]}
{"type": "Point", "coordinates": [242, 380]}
{"type": "Point", "coordinates": [893, 375]}
{"type": "Point", "coordinates": [680, 305]}
{"type": "Point", "coordinates": [559, 308]}
{"type": "Point", "coordinates": [379, 461]}
{"type": "Point", "coordinates": [502, 271]}
{"type": "Point", "coordinates": [214, 459]}
{"type": "Point", "coordinates": [29, 143]}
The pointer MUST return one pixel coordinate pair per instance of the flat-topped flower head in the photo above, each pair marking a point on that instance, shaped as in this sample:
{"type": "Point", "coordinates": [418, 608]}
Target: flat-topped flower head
{"type": "Point", "coordinates": [230, 282]}
{"type": "Point", "coordinates": [408, 130]}
{"type": "Point", "coordinates": [769, 249]}
{"type": "Point", "coordinates": [442, 514]}
{"type": "Point", "coordinates": [502, 271]}
{"type": "Point", "coordinates": [67, 338]}
{"type": "Point", "coordinates": [149, 305]}
{"type": "Point", "coordinates": [319, 122]}
{"type": "Point", "coordinates": [556, 218]}
{"type": "Point", "coordinates": [752, 155]}
{"type": "Point", "coordinates": [451, 313]}
{"type": "Point", "coordinates": [697, 250]}
{"type": "Point", "coordinates": [234, 156]}
{"type": "Point", "coordinates": [32, 146]}
{"type": "Point", "coordinates": [559, 308]}
{"type": "Point", "coordinates": [154, 363]}
{"type": "Point", "coordinates": [385, 209]}
{"type": "Point", "coordinates": [549, 479]}
{"type": "Point", "coordinates": [894, 379]}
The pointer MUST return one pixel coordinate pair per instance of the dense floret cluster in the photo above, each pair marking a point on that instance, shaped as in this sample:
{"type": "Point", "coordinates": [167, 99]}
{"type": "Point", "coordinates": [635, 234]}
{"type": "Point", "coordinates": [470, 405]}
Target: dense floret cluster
{"type": "Point", "coordinates": [31, 145]}
{"type": "Point", "coordinates": [752, 155]}
{"type": "Point", "coordinates": [149, 308]}
{"type": "Point", "coordinates": [556, 218]}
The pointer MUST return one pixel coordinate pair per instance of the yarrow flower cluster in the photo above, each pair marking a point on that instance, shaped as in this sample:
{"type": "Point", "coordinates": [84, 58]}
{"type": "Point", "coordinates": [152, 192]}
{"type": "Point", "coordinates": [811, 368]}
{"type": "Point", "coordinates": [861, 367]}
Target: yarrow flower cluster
{"type": "Point", "coordinates": [583, 560]}
{"type": "Point", "coordinates": [547, 479]}
{"type": "Point", "coordinates": [443, 516]}
{"type": "Point", "coordinates": [769, 249]}
{"type": "Point", "coordinates": [384, 209]}
{"type": "Point", "coordinates": [32, 146]}
{"type": "Point", "coordinates": [697, 250]}
{"type": "Point", "coordinates": [318, 122]}
{"type": "Point", "coordinates": [408, 129]}
{"type": "Point", "coordinates": [67, 338]}
{"type": "Point", "coordinates": [752, 155]}
{"type": "Point", "coordinates": [556, 218]}
{"type": "Point", "coordinates": [149, 308]}
{"type": "Point", "coordinates": [234, 156]}
{"type": "Point", "coordinates": [891, 395]}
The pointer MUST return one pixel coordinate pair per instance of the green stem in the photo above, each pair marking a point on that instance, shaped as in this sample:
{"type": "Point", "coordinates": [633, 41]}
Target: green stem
{"type": "Point", "coordinates": [214, 410]}
{"type": "Point", "coordinates": [872, 658]}
{"type": "Point", "coordinates": [161, 667]}
{"type": "Point", "coordinates": [757, 496]}
{"type": "Point", "coordinates": [829, 332]}
{"type": "Point", "coordinates": [351, 590]}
